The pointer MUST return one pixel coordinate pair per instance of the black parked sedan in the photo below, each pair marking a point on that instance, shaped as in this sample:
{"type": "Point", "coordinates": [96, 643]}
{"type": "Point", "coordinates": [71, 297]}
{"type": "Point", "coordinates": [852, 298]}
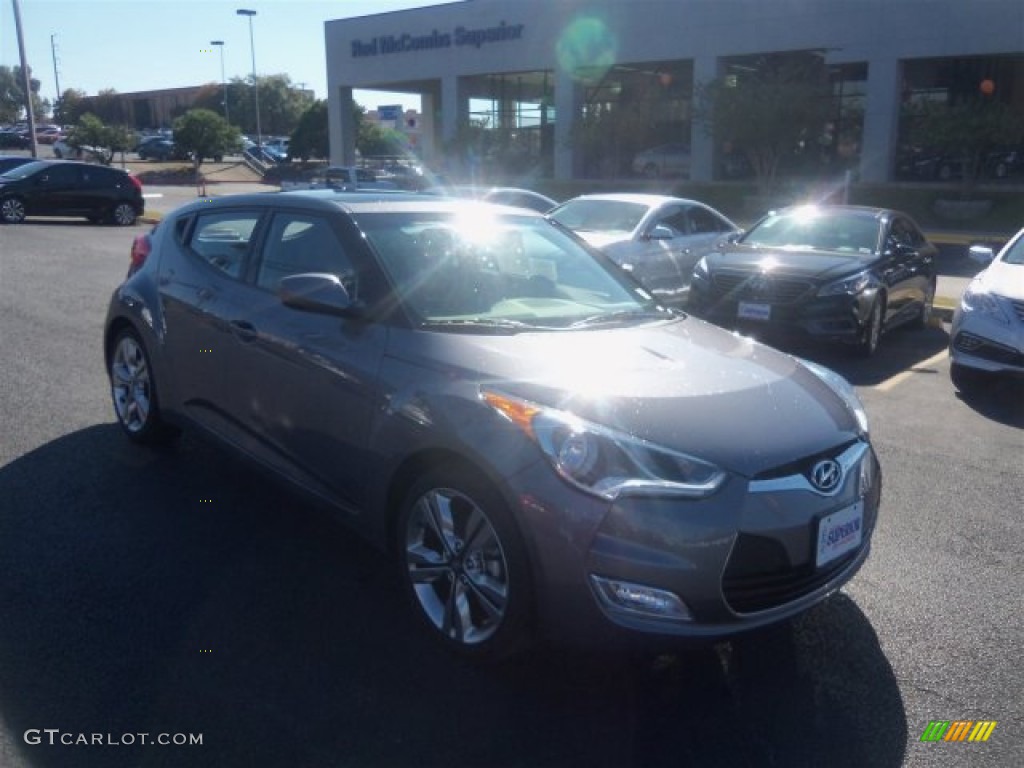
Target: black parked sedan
{"type": "Point", "coordinates": [539, 444]}
{"type": "Point", "coordinates": [65, 188]}
{"type": "Point", "coordinates": [829, 272]}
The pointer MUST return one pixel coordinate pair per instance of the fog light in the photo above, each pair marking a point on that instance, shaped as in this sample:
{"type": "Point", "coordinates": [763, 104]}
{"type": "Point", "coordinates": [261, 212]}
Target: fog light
{"type": "Point", "coordinates": [637, 598]}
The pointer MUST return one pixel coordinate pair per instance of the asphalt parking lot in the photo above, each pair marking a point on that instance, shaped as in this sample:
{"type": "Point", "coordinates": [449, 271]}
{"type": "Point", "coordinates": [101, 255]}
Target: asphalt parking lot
{"type": "Point", "coordinates": [181, 592]}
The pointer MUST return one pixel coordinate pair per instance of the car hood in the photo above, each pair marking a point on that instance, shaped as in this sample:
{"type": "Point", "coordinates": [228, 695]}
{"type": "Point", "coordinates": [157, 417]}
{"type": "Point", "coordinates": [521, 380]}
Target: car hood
{"type": "Point", "coordinates": [816, 265]}
{"type": "Point", "coordinates": [1004, 279]}
{"type": "Point", "coordinates": [682, 384]}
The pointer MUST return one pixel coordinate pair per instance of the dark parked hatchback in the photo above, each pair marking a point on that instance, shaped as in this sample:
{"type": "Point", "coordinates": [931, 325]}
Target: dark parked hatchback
{"type": "Point", "coordinates": [65, 188]}
{"type": "Point", "coordinates": [539, 444]}
{"type": "Point", "coordinates": [832, 273]}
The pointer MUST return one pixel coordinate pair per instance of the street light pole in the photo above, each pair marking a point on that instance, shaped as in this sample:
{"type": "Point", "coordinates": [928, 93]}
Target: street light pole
{"type": "Point", "coordinates": [223, 81]}
{"type": "Point", "coordinates": [255, 84]}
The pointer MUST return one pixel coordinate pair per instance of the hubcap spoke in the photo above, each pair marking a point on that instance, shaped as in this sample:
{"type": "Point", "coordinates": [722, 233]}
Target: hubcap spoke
{"type": "Point", "coordinates": [490, 595]}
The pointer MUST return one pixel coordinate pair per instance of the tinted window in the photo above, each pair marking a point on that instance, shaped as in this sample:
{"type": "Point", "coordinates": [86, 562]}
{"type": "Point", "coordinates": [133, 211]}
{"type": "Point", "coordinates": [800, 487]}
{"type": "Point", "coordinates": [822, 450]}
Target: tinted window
{"type": "Point", "coordinates": [61, 174]}
{"type": "Point", "coordinates": [674, 218]}
{"type": "Point", "coordinates": [703, 221]}
{"type": "Point", "coordinates": [300, 243]}
{"type": "Point", "coordinates": [222, 239]}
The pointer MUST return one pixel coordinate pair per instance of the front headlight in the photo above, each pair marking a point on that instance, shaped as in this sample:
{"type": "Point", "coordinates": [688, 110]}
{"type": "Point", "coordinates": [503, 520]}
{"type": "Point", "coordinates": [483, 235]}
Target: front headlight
{"type": "Point", "coordinates": [605, 462]}
{"type": "Point", "coordinates": [977, 298]}
{"type": "Point", "coordinates": [842, 388]}
{"type": "Point", "coordinates": [852, 285]}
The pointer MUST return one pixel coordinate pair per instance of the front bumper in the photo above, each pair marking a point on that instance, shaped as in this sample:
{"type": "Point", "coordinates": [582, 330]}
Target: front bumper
{"type": "Point", "coordinates": [981, 341]}
{"type": "Point", "coordinates": [741, 559]}
{"type": "Point", "coordinates": [841, 318]}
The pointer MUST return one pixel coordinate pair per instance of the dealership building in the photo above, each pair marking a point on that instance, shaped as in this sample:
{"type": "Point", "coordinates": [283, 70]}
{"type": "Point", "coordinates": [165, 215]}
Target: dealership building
{"type": "Point", "coordinates": [530, 80]}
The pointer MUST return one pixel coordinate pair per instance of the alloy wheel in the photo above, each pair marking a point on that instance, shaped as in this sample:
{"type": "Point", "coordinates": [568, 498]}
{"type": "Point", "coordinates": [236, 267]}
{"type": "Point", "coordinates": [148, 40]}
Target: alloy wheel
{"type": "Point", "coordinates": [123, 215]}
{"type": "Point", "coordinates": [456, 566]}
{"type": "Point", "coordinates": [12, 210]}
{"type": "Point", "coordinates": [131, 385]}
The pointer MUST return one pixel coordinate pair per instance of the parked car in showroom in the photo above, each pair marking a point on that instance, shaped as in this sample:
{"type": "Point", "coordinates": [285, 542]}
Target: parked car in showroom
{"type": "Point", "coordinates": [657, 238]}
{"type": "Point", "coordinates": [68, 188]}
{"type": "Point", "coordinates": [544, 450]}
{"type": "Point", "coordinates": [664, 160]}
{"type": "Point", "coordinates": [833, 273]}
{"type": "Point", "coordinates": [987, 335]}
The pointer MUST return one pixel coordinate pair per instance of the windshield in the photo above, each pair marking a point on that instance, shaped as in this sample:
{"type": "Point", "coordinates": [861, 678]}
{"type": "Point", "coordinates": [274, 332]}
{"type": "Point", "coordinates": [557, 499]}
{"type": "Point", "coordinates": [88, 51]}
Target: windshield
{"type": "Point", "coordinates": [23, 170]}
{"type": "Point", "coordinates": [1015, 253]}
{"type": "Point", "coordinates": [588, 215]}
{"type": "Point", "coordinates": [481, 269]}
{"type": "Point", "coordinates": [811, 228]}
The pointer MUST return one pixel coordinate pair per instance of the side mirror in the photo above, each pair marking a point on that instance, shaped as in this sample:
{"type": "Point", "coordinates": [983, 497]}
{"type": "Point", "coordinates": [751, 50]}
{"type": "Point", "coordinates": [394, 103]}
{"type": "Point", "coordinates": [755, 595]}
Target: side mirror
{"type": "Point", "coordinates": [318, 292]}
{"type": "Point", "coordinates": [660, 232]}
{"type": "Point", "coordinates": [983, 254]}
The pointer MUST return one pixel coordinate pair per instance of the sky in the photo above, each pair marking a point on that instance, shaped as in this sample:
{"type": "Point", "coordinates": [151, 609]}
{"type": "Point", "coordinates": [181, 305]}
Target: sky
{"type": "Point", "coordinates": [150, 44]}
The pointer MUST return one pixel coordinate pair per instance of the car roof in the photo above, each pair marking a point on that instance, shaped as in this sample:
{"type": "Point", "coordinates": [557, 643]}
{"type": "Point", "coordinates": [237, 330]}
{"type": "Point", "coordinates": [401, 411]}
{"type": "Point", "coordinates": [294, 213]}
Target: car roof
{"type": "Point", "coordinates": [369, 201]}
{"type": "Point", "coordinates": [636, 197]}
{"type": "Point", "coordinates": [867, 211]}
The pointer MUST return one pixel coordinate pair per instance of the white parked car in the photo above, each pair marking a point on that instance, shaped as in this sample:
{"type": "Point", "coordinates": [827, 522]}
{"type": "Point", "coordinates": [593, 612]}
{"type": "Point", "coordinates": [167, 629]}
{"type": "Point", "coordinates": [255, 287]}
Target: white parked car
{"type": "Point", "coordinates": [987, 336]}
{"type": "Point", "coordinates": [656, 237]}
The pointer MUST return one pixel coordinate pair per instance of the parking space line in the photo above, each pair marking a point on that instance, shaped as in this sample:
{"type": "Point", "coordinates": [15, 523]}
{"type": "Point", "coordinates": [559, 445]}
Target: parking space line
{"type": "Point", "coordinates": [902, 376]}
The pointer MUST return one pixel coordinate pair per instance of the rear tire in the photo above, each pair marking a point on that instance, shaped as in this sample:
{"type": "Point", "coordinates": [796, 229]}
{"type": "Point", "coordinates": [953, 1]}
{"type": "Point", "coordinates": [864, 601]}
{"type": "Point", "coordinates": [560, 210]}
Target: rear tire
{"type": "Point", "coordinates": [134, 393]}
{"type": "Point", "coordinates": [123, 214]}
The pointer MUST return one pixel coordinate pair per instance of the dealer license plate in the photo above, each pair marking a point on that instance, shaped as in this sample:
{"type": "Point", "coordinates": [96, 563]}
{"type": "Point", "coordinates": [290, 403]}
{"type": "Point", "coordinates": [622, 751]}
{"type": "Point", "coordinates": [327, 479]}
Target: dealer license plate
{"type": "Point", "coordinates": [750, 311]}
{"type": "Point", "coordinates": [840, 532]}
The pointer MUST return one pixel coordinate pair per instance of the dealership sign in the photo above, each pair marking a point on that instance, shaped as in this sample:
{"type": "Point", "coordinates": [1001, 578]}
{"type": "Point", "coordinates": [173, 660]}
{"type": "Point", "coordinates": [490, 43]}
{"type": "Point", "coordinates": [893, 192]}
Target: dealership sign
{"type": "Point", "coordinates": [460, 37]}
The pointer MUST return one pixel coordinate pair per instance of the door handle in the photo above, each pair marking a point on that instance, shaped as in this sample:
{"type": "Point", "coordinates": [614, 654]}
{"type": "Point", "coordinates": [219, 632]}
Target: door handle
{"type": "Point", "coordinates": [243, 330]}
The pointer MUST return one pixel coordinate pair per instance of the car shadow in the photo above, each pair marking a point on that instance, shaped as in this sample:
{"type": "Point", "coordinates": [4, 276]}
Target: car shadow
{"type": "Point", "coordinates": [901, 349]}
{"type": "Point", "coordinates": [1001, 399]}
{"type": "Point", "coordinates": [180, 592]}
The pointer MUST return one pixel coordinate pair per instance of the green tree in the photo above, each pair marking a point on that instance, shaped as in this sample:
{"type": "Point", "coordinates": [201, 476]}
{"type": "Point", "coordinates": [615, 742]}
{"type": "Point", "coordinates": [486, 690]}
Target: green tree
{"type": "Point", "coordinates": [103, 139]}
{"type": "Point", "coordinates": [70, 107]}
{"type": "Point", "coordinates": [12, 96]}
{"type": "Point", "coordinates": [967, 130]}
{"type": "Point", "coordinates": [769, 110]}
{"type": "Point", "coordinates": [281, 104]}
{"type": "Point", "coordinates": [205, 135]}
{"type": "Point", "coordinates": [309, 139]}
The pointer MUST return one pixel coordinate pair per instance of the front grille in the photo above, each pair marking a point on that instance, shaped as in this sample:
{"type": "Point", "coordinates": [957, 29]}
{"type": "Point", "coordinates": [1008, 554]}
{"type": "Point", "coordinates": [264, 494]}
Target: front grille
{"type": "Point", "coordinates": [759, 578]}
{"type": "Point", "coordinates": [744, 286]}
{"type": "Point", "coordinates": [1018, 309]}
{"type": "Point", "coordinates": [987, 349]}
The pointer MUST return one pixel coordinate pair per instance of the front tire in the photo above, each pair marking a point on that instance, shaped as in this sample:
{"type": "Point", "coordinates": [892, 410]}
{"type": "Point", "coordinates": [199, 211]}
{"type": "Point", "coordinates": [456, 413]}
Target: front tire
{"type": "Point", "coordinates": [924, 316]}
{"type": "Point", "coordinates": [12, 210]}
{"type": "Point", "coordinates": [464, 566]}
{"type": "Point", "coordinates": [133, 390]}
{"type": "Point", "coordinates": [872, 331]}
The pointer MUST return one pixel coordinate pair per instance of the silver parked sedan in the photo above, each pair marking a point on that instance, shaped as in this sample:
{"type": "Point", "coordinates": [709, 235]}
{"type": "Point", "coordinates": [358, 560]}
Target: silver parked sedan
{"type": "Point", "coordinates": [656, 237]}
{"type": "Point", "coordinates": [545, 450]}
{"type": "Point", "coordinates": [987, 336]}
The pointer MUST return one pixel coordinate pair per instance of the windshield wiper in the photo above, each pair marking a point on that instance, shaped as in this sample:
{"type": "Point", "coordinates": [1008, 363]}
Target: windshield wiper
{"type": "Point", "coordinates": [623, 315]}
{"type": "Point", "coordinates": [484, 323]}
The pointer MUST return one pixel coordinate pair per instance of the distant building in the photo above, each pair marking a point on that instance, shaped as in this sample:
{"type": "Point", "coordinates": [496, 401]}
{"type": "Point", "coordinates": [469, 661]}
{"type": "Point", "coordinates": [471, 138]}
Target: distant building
{"type": "Point", "coordinates": [519, 76]}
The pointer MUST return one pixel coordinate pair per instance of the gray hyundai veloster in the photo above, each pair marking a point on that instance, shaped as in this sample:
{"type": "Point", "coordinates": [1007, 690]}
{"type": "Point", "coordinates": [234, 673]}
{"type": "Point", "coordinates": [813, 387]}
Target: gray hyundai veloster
{"type": "Point", "coordinates": [546, 451]}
